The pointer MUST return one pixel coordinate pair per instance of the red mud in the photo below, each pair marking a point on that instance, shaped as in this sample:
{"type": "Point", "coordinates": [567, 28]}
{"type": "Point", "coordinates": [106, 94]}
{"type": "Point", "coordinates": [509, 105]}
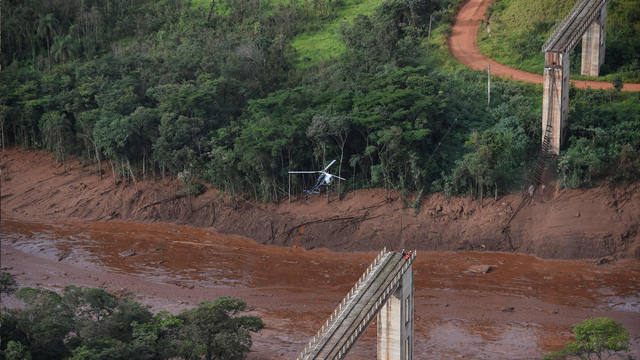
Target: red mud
{"type": "Point", "coordinates": [63, 228]}
{"type": "Point", "coordinates": [557, 224]}
{"type": "Point", "coordinates": [520, 310]}
{"type": "Point", "coordinates": [66, 227]}
{"type": "Point", "coordinates": [463, 46]}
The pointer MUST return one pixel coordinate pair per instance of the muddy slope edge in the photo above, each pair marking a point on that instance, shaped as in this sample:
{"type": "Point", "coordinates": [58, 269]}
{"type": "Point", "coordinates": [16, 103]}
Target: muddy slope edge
{"type": "Point", "coordinates": [592, 223]}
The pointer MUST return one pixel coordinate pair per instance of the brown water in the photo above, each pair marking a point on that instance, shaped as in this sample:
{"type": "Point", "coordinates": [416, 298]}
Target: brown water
{"type": "Point", "coordinates": [521, 310]}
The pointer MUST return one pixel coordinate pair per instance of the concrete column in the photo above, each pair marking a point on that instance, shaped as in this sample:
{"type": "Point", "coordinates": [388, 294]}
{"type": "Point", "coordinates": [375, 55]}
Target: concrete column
{"type": "Point", "coordinates": [555, 97]}
{"type": "Point", "coordinates": [593, 45]}
{"type": "Point", "coordinates": [395, 323]}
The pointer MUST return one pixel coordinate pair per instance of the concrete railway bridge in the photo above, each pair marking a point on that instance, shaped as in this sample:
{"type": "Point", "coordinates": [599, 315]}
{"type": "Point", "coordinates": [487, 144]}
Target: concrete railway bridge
{"type": "Point", "coordinates": [587, 22]}
{"type": "Point", "coordinates": [385, 290]}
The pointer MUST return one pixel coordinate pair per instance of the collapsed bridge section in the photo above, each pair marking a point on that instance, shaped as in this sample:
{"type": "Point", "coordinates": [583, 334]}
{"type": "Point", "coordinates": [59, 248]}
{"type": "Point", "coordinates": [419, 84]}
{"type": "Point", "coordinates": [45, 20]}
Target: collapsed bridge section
{"type": "Point", "coordinates": [586, 21]}
{"type": "Point", "coordinates": [385, 290]}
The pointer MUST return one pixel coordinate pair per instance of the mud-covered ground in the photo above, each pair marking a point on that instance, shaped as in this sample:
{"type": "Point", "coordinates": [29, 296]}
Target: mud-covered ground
{"type": "Point", "coordinates": [522, 309]}
{"type": "Point", "coordinates": [66, 225]}
{"type": "Point", "coordinates": [565, 224]}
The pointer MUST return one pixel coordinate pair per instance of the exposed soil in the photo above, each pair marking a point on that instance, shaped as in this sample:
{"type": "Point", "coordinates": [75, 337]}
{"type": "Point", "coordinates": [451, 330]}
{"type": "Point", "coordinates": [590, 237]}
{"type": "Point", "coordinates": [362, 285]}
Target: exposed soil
{"type": "Point", "coordinates": [71, 227]}
{"type": "Point", "coordinates": [463, 46]}
{"type": "Point", "coordinates": [564, 224]}
{"type": "Point", "coordinates": [521, 309]}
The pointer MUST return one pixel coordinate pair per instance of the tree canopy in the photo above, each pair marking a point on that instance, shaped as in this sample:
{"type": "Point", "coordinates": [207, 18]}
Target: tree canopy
{"type": "Point", "coordinates": [213, 89]}
{"type": "Point", "coordinates": [89, 323]}
{"type": "Point", "coordinates": [596, 338]}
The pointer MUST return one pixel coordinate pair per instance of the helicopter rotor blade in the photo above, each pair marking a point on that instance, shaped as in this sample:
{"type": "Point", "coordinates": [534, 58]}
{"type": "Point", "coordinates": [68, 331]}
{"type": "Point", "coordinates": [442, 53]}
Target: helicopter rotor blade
{"type": "Point", "coordinates": [328, 166]}
{"type": "Point", "coordinates": [303, 172]}
{"type": "Point", "coordinates": [335, 176]}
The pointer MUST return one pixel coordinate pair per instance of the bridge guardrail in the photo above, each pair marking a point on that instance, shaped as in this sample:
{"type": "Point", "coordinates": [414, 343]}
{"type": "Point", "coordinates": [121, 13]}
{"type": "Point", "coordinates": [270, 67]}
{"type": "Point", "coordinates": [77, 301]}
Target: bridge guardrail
{"type": "Point", "coordinates": [335, 320]}
{"type": "Point", "coordinates": [341, 305]}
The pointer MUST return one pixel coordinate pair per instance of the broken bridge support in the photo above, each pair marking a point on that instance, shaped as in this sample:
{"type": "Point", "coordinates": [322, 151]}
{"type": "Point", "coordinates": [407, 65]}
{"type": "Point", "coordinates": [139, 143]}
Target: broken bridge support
{"type": "Point", "coordinates": [586, 21]}
{"type": "Point", "coordinates": [593, 45]}
{"type": "Point", "coordinates": [395, 323]}
{"type": "Point", "coordinates": [555, 97]}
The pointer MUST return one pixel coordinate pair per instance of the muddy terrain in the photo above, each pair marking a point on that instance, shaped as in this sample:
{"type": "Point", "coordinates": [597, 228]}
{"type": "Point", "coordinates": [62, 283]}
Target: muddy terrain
{"type": "Point", "coordinates": [565, 224]}
{"type": "Point", "coordinates": [523, 308]}
{"type": "Point", "coordinates": [66, 225]}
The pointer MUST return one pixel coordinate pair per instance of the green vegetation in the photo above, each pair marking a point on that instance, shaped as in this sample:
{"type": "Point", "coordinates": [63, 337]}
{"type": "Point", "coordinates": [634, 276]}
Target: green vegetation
{"type": "Point", "coordinates": [519, 28]}
{"type": "Point", "coordinates": [86, 323]}
{"type": "Point", "coordinates": [325, 43]}
{"type": "Point", "coordinates": [603, 138]}
{"type": "Point", "coordinates": [595, 338]}
{"type": "Point", "coordinates": [219, 95]}
{"type": "Point", "coordinates": [8, 284]}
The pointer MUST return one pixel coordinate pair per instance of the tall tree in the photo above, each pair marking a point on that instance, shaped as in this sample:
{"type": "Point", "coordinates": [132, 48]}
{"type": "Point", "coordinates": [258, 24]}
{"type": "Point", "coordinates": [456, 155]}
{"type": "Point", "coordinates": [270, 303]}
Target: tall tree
{"type": "Point", "coordinates": [214, 330]}
{"type": "Point", "coordinates": [45, 29]}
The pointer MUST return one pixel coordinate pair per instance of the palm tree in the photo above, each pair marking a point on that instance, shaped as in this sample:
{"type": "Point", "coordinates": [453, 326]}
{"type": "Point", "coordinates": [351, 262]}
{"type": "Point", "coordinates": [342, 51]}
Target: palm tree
{"type": "Point", "coordinates": [46, 29]}
{"type": "Point", "coordinates": [63, 48]}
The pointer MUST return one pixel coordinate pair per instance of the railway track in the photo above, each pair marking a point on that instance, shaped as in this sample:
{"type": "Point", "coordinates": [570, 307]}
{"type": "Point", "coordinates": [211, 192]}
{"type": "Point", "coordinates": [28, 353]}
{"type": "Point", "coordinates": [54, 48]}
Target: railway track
{"type": "Point", "coordinates": [356, 311]}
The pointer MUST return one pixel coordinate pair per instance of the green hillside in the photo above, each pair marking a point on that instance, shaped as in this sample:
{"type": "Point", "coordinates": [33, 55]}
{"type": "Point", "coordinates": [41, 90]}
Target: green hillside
{"type": "Point", "coordinates": [520, 27]}
{"type": "Point", "coordinates": [325, 43]}
{"type": "Point", "coordinates": [236, 95]}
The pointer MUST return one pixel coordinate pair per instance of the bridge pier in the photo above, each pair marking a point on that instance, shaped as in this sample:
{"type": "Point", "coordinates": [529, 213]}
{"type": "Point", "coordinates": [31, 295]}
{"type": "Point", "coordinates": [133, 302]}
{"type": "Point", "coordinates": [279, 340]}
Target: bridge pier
{"type": "Point", "coordinates": [395, 323]}
{"type": "Point", "coordinates": [586, 21]}
{"type": "Point", "coordinates": [555, 97]}
{"type": "Point", "coordinates": [593, 44]}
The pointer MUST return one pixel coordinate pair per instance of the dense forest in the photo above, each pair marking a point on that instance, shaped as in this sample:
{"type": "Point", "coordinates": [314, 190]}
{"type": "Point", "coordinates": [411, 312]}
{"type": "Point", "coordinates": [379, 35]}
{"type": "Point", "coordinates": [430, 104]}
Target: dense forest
{"type": "Point", "coordinates": [214, 91]}
{"type": "Point", "coordinates": [91, 324]}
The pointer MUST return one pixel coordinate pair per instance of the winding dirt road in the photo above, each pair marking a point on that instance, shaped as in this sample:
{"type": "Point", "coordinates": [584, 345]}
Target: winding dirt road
{"type": "Point", "coordinates": [462, 44]}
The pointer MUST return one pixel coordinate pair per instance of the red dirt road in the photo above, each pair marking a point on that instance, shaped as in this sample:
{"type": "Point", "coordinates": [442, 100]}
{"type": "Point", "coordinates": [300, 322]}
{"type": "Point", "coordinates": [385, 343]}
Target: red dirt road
{"type": "Point", "coordinates": [462, 44]}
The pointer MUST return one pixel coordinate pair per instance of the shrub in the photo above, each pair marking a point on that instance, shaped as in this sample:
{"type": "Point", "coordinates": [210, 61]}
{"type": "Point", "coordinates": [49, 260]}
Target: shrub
{"type": "Point", "coordinates": [582, 164]}
{"type": "Point", "coordinates": [594, 338]}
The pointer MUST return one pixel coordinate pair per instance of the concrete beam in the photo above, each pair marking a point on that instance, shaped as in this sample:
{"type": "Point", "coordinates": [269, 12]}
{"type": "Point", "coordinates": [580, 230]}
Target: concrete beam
{"type": "Point", "coordinates": [395, 323]}
{"type": "Point", "coordinates": [593, 45]}
{"type": "Point", "coordinates": [555, 97]}
{"type": "Point", "coordinates": [569, 32]}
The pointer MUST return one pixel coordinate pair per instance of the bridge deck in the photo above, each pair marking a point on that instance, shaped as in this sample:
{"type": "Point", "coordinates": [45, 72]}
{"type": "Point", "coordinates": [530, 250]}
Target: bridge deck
{"type": "Point", "coordinates": [359, 307]}
{"type": "Point", "coordinates": [570, 30]}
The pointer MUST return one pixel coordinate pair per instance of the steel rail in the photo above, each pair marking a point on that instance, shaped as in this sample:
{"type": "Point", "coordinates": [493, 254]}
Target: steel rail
{"type": "Point", "coordinates": [377, 292]}
{"type": "Point", "coordinates": [337, 315]}
{"type": "Point", "coordinates": [341, 320]}
{"type": "Point", "coordinates": [344, 326]}
{"type": "Point", "coordinates": [380, 300]}
{"type": "Point", "coordinates": [355, 301]}
{"type": "Point", "coordinates": [567, 34]}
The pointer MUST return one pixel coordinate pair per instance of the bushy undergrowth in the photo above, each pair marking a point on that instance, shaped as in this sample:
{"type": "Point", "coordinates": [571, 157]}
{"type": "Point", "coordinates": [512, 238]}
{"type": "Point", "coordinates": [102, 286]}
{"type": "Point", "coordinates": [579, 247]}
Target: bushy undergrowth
{"type": "Point", "coordinates": [603, 138]}
{"type": "Point", "coordinates": [170, 87]}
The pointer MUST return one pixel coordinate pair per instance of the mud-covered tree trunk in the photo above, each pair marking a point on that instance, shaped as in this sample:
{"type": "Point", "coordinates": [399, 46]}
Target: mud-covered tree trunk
{"type": "Point", "coordinates": [95, 146]}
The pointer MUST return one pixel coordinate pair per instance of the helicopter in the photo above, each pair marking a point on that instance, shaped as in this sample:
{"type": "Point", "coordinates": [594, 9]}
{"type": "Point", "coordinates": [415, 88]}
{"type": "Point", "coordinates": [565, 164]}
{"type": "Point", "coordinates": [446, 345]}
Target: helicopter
{"type": "Point", "coordinates": [324, 179]}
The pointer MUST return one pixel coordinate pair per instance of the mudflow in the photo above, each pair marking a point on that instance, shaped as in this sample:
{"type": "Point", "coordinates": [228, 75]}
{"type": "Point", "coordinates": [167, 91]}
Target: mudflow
{"type": "Point", "coordinates": [495, 302]}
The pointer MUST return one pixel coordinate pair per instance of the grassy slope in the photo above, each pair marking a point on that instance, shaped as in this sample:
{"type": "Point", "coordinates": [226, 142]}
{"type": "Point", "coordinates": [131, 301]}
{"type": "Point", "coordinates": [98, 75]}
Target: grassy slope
{"type": "Point", "coordinates": [509, 29]}
{"type": "Point", "coordinates": [320, 45]}
{"type": "Point", "coordinates": [223, 7]}
{"type": "Point", "coordinates": [520, 27]}
{"type": "Point", "coordinates": [324, 44]}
